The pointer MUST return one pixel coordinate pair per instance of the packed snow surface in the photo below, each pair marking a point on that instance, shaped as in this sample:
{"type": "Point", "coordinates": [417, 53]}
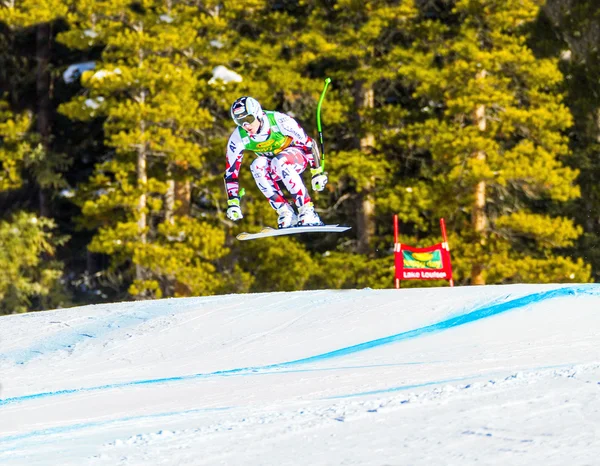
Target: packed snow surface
{"type": "Point", "coordinates": [499, 375]}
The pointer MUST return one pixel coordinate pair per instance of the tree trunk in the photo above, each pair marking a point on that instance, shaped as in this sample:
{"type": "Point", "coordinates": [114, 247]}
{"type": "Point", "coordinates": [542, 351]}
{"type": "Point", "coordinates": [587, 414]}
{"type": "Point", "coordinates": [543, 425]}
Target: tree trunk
{"type": "Point", "coordinates": [43, 37]}
{"type": "Point", "coordinates": [183, 195]}
{"type": "Point", "coordinates": [179, 192]}
{"type": "Point", "coordinates": [479, 222]}
{"type": "Point", "coordinates": [365, 215]}
{"type": "Point", "coordinates": [142, 176]}
{"type": "Point", "coordinates": [170, 201]}
{"type": "Point", "coordinates": [478, 216]}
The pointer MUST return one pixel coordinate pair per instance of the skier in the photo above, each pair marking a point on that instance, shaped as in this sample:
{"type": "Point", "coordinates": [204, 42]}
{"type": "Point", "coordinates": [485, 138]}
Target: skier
{"type": "Point", "coordinates": [283, 151]}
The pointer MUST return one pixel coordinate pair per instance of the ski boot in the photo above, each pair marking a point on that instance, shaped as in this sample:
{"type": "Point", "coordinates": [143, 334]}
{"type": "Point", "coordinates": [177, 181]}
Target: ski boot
{"type": "Point", "coordinates": [287, 217]}
{"type": "Point", "coordinates": [307, 216]}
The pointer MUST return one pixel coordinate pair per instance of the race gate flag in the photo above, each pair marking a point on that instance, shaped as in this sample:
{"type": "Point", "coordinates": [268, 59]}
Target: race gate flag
{"type": "Point", "coordinates": [430, 263]}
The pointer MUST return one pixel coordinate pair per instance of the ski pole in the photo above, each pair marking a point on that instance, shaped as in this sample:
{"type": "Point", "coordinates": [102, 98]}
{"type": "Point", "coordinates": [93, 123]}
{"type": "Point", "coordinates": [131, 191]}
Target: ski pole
{"type": "Point", "coordinates": [327, 81]}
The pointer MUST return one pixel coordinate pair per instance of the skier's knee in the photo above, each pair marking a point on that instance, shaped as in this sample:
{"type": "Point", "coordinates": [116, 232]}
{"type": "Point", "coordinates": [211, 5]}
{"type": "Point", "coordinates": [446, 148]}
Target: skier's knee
{"type": "Point", "coordinates": [258, 170]}
{"type": "Point", "coordinates": [278, 164]}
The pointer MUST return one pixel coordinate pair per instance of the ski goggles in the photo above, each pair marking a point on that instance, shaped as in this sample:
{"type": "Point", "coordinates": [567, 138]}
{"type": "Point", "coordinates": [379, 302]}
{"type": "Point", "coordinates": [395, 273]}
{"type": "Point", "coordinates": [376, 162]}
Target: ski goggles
{"type": "Point", "coordinates": [244, 120]}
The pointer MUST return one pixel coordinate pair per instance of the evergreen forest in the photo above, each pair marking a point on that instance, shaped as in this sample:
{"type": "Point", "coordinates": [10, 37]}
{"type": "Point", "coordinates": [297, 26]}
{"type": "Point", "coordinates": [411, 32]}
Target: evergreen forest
{"type": "Point", "coordinates": [114, 119]}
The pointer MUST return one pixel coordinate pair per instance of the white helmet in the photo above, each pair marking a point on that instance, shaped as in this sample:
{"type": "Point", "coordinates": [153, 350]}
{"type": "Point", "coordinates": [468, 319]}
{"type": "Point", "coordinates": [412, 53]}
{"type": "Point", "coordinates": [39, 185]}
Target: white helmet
{"type": "Point", "coordinates": [245, 110]}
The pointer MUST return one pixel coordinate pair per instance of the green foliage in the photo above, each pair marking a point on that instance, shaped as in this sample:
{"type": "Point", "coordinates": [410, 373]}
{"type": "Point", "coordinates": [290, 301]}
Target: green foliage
{"type": "Point", "coordinates": [14, 147]}
{"type": "Point", "coordinates": [511, 268]}
{"type": "Point", "coordinates": [29, 278]}
{"type": "Point", "coordinates": [357, 44]}
{"type": "Point", "coordinates": [183, 253]}
{"type": "Point", "coordinates": [548, 233]}
{"type": "Point", "coordinates": [277, 264]}
{"type": "Point", "coordinates": [145, 90]}
{"type": "Point", "coordinates": [484, 66]}
{"type": "Point", "coordinates": [338, 271]}
{"type": "Point", "coordinates": [570, 30]}
{"type": "Point", "coordinates": [514, 255]}
{"type": "Point", "coordinates": [25, 13]}
{"type": "Point", "coordinates": [409, 199]}
{"type": "Point", "coordinates": [416, 149]}
{"type": "Point", "coordinates": [21, 154]}
{"type": "Point", "coordinates": [358, 169]}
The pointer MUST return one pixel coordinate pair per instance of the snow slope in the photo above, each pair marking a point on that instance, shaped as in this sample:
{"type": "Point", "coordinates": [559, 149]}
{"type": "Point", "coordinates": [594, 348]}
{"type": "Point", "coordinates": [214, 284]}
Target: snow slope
{"type": "Point", "coordinates": [447, 376]}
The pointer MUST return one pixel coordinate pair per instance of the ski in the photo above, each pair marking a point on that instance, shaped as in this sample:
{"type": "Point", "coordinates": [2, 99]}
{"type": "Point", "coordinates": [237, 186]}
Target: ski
{"type": "Point", "coordinates": [268, 231]}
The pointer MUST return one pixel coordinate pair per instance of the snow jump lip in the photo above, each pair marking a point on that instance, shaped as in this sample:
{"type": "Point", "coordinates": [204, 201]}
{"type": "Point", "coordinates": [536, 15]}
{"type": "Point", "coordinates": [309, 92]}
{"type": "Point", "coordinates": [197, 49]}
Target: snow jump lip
{"type": "Point", "coordinates": [465, 318]}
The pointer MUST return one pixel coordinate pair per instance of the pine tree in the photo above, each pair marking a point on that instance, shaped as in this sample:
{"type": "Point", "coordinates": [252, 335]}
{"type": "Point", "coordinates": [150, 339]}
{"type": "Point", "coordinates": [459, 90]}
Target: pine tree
{"type": "Point", "coordinates": [571, 30]}
{"type": "Point", "coordinates": [492, 137]}
{"type": "Point", "coordinates": [30, 276]}
{"type": "Point", "coordinates": [355, 43]}
{"type": "Point", "coordinates": [139, 198]}
{"type": "Point", "coordinates": [15, 149]}
{"type": "Point", "coordinates": [270, 66]}
{"type": "Point", "coordinates": [29, 279]}
{"type": "Point", "coordinates": [301, 54]}
{"type": "Point", "coordinates": [40, 15]}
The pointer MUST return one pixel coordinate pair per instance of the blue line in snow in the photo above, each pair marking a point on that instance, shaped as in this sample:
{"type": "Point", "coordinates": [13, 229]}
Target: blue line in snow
{"type": "Point", "coordinates": [403, 388]}
{"type": "Point", "coordinates": [87, 425]}
{"type": "Point", "coordinates": [463, 319]}
{"type": "Point", "coordinates": [484, 312]}
{"type": "Point", "coordinates": [228, 373]}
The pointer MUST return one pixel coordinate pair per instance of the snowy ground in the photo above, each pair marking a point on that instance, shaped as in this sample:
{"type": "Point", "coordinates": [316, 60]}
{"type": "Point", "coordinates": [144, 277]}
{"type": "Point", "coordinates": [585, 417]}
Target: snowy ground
{"type": "Point", "coordinates": [499, 375]}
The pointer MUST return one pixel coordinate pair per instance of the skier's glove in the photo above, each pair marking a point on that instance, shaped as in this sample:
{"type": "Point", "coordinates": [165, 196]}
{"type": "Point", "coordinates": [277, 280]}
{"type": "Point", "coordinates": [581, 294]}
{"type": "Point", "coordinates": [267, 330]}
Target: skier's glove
{"type": "Point", "coordinates": [319, 179]}
{"type": "Point", "coordinates": [233, 211]}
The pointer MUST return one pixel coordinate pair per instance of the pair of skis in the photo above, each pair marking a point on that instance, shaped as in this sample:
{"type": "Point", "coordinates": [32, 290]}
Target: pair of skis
{"type": "Point", "coordinates": [266, 232]}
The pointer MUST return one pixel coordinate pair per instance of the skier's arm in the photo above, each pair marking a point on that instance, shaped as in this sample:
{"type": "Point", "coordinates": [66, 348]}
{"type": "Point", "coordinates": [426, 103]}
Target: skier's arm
{"type": "Point", "coordinates": [315, 153]}
{"type": "Point", "coordinates": [319, 176]}
{"type": "Point", "coordinates": [234, 157]}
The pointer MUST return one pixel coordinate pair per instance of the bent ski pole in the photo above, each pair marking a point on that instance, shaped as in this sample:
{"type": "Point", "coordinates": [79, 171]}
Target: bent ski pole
{"type": "Point", "coordinates": [327, 81]}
